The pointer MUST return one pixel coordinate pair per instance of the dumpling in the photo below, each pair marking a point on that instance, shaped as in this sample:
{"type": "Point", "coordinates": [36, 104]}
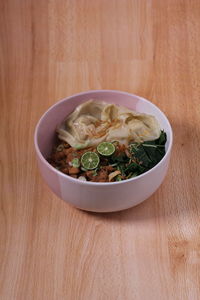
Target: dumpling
{"type": "Point", "coordinates": [83, 127]}
{"type": "Point", "coordinates": [110, 112]}
{"type": "Point", "coordinates": [93, 122]}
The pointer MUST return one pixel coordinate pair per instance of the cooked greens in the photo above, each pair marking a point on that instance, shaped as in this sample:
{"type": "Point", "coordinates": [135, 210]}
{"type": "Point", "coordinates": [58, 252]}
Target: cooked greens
{"type": "Point", "coordinates": [143, 157]}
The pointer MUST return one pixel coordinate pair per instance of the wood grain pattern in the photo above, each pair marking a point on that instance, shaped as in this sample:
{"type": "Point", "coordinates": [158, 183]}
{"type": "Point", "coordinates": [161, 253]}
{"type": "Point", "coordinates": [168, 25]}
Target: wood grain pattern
{"type": "Point", "coordinates": [52, 49]}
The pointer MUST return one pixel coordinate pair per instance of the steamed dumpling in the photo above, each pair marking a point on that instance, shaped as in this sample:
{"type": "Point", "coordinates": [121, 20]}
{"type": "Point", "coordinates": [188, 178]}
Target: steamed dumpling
{"type": "Point", "coordinates": [93, 122]}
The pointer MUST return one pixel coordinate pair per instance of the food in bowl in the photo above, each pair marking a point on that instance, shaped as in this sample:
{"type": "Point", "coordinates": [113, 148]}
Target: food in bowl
{"type": "Point", "coordinates": [104, 142]}
{"type": "Point", "coordinates": [95, 196]}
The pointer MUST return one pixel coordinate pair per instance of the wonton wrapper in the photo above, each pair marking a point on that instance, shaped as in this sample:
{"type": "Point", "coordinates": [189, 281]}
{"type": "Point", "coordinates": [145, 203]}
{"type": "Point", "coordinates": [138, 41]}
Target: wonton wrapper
{"type": "Point", "coordinates": [93, 122]}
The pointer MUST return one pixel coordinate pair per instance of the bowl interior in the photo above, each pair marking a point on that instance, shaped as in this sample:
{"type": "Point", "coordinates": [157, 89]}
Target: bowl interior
{"type": "Point", "coordinates": [45, 130]}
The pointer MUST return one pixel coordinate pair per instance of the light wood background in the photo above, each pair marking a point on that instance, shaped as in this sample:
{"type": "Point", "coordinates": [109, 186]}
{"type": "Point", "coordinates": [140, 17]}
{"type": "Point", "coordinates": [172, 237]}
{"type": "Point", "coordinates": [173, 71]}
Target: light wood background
{"type": "Point", "coordinates": [50, 50]}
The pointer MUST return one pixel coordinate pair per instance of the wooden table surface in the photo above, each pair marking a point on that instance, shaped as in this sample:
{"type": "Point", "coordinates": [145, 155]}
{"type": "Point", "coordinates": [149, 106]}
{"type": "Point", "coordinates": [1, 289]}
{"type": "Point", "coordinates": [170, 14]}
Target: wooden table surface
{"type": "Point", "coordinates": [53, 49]}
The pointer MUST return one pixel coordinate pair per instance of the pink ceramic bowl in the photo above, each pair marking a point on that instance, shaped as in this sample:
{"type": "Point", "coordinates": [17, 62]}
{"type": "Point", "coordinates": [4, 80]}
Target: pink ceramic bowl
{"type": "Point", "coordinates": [99, 197]}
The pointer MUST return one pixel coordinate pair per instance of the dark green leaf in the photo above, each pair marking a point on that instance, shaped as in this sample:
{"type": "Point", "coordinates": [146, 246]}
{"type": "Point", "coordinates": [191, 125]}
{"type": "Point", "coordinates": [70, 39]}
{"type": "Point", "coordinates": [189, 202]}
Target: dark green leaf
{"type": "Point", "coordinates": [119, 158]}
{"type": "Point", "coordinates": [138, 152]}
{"type": "Point", "coordinates": [132, 167]}
{"type": "Point", "coordinates": [162, 139]}
{"type": "Point", "coordinates": [121, 167]}
{"type": "Point", "coordinates": [149, 153]}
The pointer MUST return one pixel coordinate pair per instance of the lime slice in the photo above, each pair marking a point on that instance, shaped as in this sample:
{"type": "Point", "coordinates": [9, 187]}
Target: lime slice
{"type": "Point", "coordinates": [90, 160]}
{"type": "Point", "coordinates": [75, 163]}
{"type": "Point", "coordinates": [106, 148]}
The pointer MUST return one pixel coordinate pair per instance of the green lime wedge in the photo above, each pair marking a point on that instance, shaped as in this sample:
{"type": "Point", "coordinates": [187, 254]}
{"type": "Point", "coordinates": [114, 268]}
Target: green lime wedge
{"type": "Point", "coordinates": [90, 160]}
{"type": "Point", "coordinates": [106, 148]}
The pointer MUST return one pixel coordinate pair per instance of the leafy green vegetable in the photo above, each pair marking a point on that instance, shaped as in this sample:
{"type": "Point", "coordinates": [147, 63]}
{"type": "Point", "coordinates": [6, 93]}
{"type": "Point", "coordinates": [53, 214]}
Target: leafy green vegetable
{"type": "Point", "coordinates": [120, 162]}
{"type": "Point", "coordinates": [144, 156]}
{"type": "Point", "coordinates": [138, 152]}
{"type": "Point", "coordinates": [162, 139]}
{"type": "Point", "coordinates": [134, 167]}
{"type": "Point", "coordinates": [121, 167]}
{"type": "Point", "coordinates": [122, 158]}
{"type": "Point", "coordinates": [149, 153]}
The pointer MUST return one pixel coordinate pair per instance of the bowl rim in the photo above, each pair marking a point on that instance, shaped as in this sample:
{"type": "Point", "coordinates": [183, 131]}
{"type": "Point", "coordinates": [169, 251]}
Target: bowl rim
{"type": "Point", "coordinates": [75, 180]}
